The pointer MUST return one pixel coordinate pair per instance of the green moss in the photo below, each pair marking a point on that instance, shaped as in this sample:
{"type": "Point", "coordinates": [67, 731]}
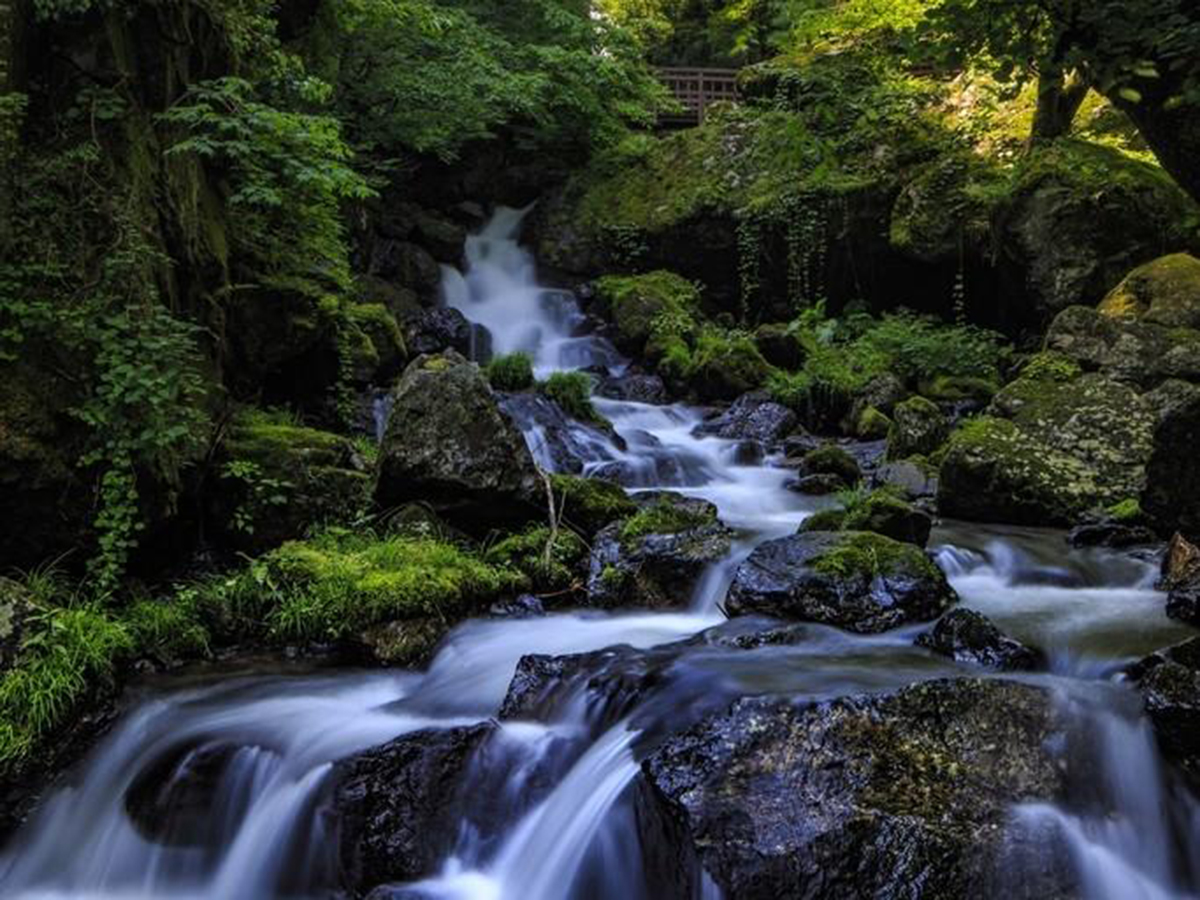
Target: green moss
{"type": "Point", "coordinates": [1050, 365]}
{"type": "Point", "coordinates": [263, 436]}
{"type": "Point", "coordinates": [379, 326]}
{"type": "Point", "coordinates": [1165, 292]}
{"type": "Point", "coordinates": [832, 460]}
{"type": "Point", "coordinates": [590, 503]}
{"type": "Point", "coordinates": [665, 517]}
{"type": "Point", "coordinates": [1128, 510]}
{"type": "Point", "coordinates": [526, 553]}
{"type": "Point", "coordinates": [824, 520]}
{"type": "Point", "coordinates": [168, 629]}
{"type": "Point", "coordinates": [956, 388]}
{"type": "Point", "coordinates": [637, 301]}
{"type": "Point", "coordinates": [513, 372]}
{"type": "Point", "coordinates": [860, 553]}
{"type": "Point", "coordinates": [724, 365]}
{"type": "Point", "coordinates": [340, 583]}
{"type": "Point", "coordinates": [872, 424]}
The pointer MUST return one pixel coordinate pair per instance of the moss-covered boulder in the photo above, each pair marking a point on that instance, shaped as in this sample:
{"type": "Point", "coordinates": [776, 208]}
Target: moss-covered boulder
{"type": "Point", "coordinates": [374, 340]}
{"type": "Point", "coordinates": [780, 345]}
{"type": "Point", "coordinates": [634, 302]}
{"type": "Point", "coordinates": [276, 479]}
{"type": "Point", "coordinates": [1138, 352]}
{"type": "Point", "coordinates": [884, 512]}
{"type": "Point", "coordinates": [1171, 497]}
{"type": "Point", "coordinates": [855, 580]}
{"type": "Point", "coordinates": [656, 557]}
{"type": "Point", "coordinates": [591, 503]}
{"type": "Point", "coordinates": [448, 444]}
{"type": "Point", "coordinates": [872, 425]}
{"type": "Point", "coordinates": [970, 637]}
{"type": "Point", "coordinates": [898, 795]}
{"type": "Point", "coordinates": [1054, 445]}
{"type": "Point", "coordinates": [1164, 292]}
{"type": "Point", "coordinates": [831, 460]}
{"type": "Point", "coordinates": [725, 366]}
{"type": "Point", "coordinates": [919, 427]}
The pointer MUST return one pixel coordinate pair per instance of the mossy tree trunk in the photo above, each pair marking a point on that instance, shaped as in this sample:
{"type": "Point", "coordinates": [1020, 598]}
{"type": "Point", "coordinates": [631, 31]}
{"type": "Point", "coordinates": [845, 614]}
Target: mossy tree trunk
{"type": "Point", "coordinates": [1170, 124]}
{"type": "Point", "coordinates": [1060, 94]}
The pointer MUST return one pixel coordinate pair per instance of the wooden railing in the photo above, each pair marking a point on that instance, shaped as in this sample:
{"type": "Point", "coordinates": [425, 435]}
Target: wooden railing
{"type": "Point", "coordinates": [696, 90]}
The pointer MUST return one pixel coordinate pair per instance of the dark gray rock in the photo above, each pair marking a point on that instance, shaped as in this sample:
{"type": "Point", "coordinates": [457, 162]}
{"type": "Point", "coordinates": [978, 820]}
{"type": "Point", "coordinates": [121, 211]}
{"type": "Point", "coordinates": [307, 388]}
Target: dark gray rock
{"type": "Point", "coordinates": [171, 802]}
{"type": "Point", "coordinates": [752, 417]}
{"type": "Point", "coordinates": [407, 264]}
{"type": "Point", "coordinates": [910, 478]}
{"type": "Point", "coordinates": [442, 238]}
{"type": "Point", "coordinates": [898, 796]}
{"type": "Point", "coordinates": [394, 805]}
{"type": "Point", "coordinates": [1172, 494]}
{"type": "Point", "coordinates": [967, 636]}
{"type": "Point", "coordinates": [448, 445]}
{"type": "Point", "coordinates": [526, 606]}
{"type": "Point", "coordinates": [918, 427]}
{"type": "Point", "coordinates": [819, 485]}
{"type": "Point", "coordinates": [634, 387]}
{"type": "Point", "coordinates": [437, 330]}
{"type": "Point", "coordinates": [1169, 682]}
{"type": "Point", "coordinates": [1127, 350]}
{"type": "Point", "coordinates": [853, 580]}
{"type": "Point", "coordinates": [1111, 534]}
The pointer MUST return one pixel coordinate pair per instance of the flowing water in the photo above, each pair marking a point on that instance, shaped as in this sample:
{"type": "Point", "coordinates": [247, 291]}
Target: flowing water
{"type": "Point", "coordinates": [562, 821]}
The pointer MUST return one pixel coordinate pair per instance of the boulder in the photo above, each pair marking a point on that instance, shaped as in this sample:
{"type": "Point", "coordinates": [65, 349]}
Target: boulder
{"type": "Point", "coordinates": [635, 302]}
{"type": "Point", "coordinates": [882, 512]}
{"type": "Point", "coordinates": [1163, 292]}
{"type": "Point", "coordinates": [752, 417]}
{"type": "Point", "coordinates": [406, 264]}
{"type": "Point", "coordinates": [588, 504]}
{"type": "Point", "coordinates": [1052, 447]}
{"type": "Point", "coordinates": [919, 427]}
{"type": "Point", "coordinates": [854, 580]}
{"type": "Point", "coordinates": [1169, 682]}
{"type": "Point", "coordinates": [896, 796]}
{"type": "Point", "coordinates": [448, 444]}
{"type": "Point", "coordinates": [170, 802]}
{"type": "Point", "coordinates": [443, 239]}
{"type": "Point", "coordinates": [908, 478]}
{"type": "Point", "coordinates": [779, 345]}
{"type": "Point", "coordinates": [871, 425]}
{"type": "Point", "coordinates": [1136, 352]}
{"type": "Point", "coordinates": [635, 387]}
{"type": "Point", "coordinates": [1172, 492]}
{"type": "Point", "coordinates": [16, 607]}
{"type": "Point", "coordinates": [821, 484]}
{"type": "Point", "coordinates": [970, 637]}
{"type": "Point", "coordinates": [1109, 533]}
{"type": "Point", "coordinates": [395, 804]}
{"type": "Point", "coordinates": [831, 460]}
{"type": "Point", "coordinates": [435, 330]}
{"type": "Point", "coordinates": [657, 557]}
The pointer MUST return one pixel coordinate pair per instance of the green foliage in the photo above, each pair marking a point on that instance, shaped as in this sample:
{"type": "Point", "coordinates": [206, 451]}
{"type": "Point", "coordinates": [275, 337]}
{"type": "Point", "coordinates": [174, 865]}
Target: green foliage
{"type": "Point", "coordinates": [513, 372]}
{"type": "Point", "coordinates": [527, 554]}
{"type": "Point", "coordinates": [259, 491]}
{"type": "Point", "coordinates": [338, 583]}
{"type": "Point", "coordinates": [168, 629]}
{"type": "Point", "coordinates": [591, 503]}
{"type": "Point", "coordinates": [71, 653]}
{"type": "Point", "coordinates": [288, 170]}
{"type": "Point", "coordinates": [638, 302]}
{"type": "Point", "coordinates": [864, 554]}
{"type": "Point", "coordinates": [664, 517]}
{"type": "Point", "coordinates": [572, 391]}
{"type": "Point", "coordinates": [1128, 510]}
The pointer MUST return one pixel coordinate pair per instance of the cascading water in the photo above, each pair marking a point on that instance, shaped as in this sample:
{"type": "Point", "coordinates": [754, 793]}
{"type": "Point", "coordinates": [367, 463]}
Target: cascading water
{"type": "Point", "coordinates": [127, 828]}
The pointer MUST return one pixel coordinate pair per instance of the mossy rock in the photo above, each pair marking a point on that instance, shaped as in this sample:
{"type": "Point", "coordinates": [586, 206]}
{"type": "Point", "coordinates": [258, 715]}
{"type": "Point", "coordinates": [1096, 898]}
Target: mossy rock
{"type": "Point", "coordinates": [780, 345]}
{"type": "Point", "coordinates": [726, 366]}
{"type": "Point", "coordinates": [591, 503]}
{"type": "Point", "coordinates": [277, 479]}
{"type": "Point", "coordinates": [919, 427]}
{"type": "Point", "coordinates": [1163, 292]}
{"type": "Point", "coordinates": [958, 389]}
{"type": "Point", "coordinates": [856, 580]}
{"type": "Point", "coordinates": [636, 301]}
{"type": "Point", "coordinates": [882, 512]}
{"type": "Point", "coordinates": [831, 460]}
{"type": "Point", "coordinates": [1133, 351]}
{"type": "Point", "coordinates": [872, 425]}
{"type": "Point", "coordinates": [383, 353]}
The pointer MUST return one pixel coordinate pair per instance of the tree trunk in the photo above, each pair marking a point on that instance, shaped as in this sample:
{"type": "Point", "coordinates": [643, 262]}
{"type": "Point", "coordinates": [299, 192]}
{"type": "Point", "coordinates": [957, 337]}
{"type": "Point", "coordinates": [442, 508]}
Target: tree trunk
{"type": "Point", "coordinates": [1058, 100]}
{"type": "Point", "coordinates": [1171, 131]}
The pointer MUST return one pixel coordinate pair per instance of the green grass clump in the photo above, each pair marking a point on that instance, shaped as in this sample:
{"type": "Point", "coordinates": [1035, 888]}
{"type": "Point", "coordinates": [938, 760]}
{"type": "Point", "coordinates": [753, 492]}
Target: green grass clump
{"type": "Point", "coordinates": [168, 629]}
{"type": "Point", "coordinates": [338, 583]}
{"type": "Point", "coordinates": [572, 391]}
{"type": "Point", "coordinates": [1128, 510]}
{"type": "Point", "coordinates": [526, 553]}
{"type": "Point", "coordinates": [70, 653]}
{"type": "Point", "coordinates": [512, 372]}
{"type": "Point", "coordinates": [664, 517]}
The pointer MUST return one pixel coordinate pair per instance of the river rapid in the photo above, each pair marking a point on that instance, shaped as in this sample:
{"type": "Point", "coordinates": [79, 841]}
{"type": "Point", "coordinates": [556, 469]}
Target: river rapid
{"type": "Point", "coordinates": [560, 820]}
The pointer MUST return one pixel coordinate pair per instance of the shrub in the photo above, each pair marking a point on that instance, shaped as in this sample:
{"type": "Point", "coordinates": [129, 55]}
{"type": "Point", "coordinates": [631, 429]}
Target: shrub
{"type": "Point", "coordinates": [512, 372]}
{"type": "Point", "coordinates": [572, 391]}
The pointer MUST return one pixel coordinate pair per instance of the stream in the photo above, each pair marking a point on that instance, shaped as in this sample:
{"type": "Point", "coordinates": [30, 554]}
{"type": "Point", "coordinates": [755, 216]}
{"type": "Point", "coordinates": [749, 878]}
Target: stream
{"type": "Point", "coordinates": [559, 823]}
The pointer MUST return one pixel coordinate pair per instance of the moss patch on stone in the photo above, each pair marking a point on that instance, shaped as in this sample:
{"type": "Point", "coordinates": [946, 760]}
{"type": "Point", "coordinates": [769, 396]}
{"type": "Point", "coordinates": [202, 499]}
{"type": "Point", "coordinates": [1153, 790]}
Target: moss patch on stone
{"type": "Point", "coordinates": [590, 503]}
{"type": "Point", "coordinates": [637, 301]}
{"type": "Point", "coordinates": [862, 553]}
{"type": "Point", "coordinates": [665, 517]}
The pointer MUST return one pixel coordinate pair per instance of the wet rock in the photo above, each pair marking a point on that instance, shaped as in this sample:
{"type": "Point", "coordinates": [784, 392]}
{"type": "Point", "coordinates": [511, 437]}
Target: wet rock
{"type": "Point", "coordinates": [882, 512]}
{"type": "Point", "coordinates": [395, 805]}
{"type": "Point", "coordinates": [1116, 535]}
{"type": "Point", "coordinates": [403, 642]}
{"type": "Point", "coordinates": [820, 485]}
{"type": "Point", "coordinates": [1131, 351]}
{"type": "Point", "coordinates": [526, 606]}
{"type": "Point", "coordinates": [172, 801]}
{"type": "Point", "coordinates": [797, 446]}
{"type": "Point", "coordinates": [619, 678]}
{"type": "Point", "coordinates": [16, 606]}
{"type": "Point", "coordinates": [634, 387]}
{"type": "Point", "coordinates": [559, 443]}
{"type": "Point", "coordinates": [1169, 682]}
{"type": "Point", "coordinates": [911, 479]}
{"type": "Point", "coordinates": [657, 557]}
{"type": "Point", "coordinates": [753, 417]}
{"type": "Point", "coordinates": [918, 427]}
{"type": "Point", "coordinates": [1172, 495]}
{"type": "Point", "coordinates": [435, 330]}
{"type": "Point", "coordinates": [448, 445]}
{"type": "Point", "coordinates": [407, 264]}
{"type": "Point", "coordinates": [970, 637]}
{"type": "Point", "coordinates": [442, 238]}
{"type": "Point", "coordinates": [1181, 562]}
{"type": "Point", "coordinates": [831, 460]}
{"type": "Point", "coordinates": [854, 580]}
{"type": "Point", "coordinates": [588, 504]}
{"type": "Point", "coordinates": [893, 796]}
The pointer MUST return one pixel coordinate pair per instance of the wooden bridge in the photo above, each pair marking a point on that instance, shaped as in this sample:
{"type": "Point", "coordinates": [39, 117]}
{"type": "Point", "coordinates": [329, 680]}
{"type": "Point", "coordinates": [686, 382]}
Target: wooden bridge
{"type": "Point", "coordinates": [696, 90]}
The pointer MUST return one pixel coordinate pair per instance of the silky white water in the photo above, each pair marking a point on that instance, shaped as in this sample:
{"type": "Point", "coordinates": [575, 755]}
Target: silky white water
{"type": "Point", "coordinates": [265, 835]}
